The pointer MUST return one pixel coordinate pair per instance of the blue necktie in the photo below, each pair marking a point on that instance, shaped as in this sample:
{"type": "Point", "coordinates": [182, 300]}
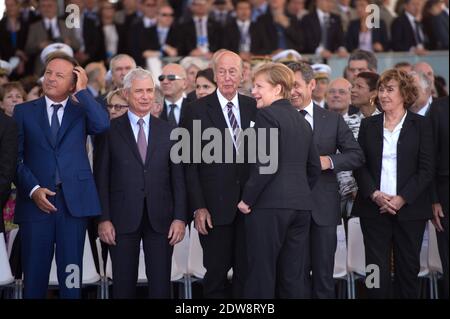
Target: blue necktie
{"type": "Point", "coordinates": [54, 127]}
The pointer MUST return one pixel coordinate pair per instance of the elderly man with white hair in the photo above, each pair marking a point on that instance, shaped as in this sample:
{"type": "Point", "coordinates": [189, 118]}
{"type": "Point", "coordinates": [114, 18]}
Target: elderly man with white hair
{"type": "Point", "coordinates": [142, 192]}
{"type": "Point", "coordinates": [422, 105]}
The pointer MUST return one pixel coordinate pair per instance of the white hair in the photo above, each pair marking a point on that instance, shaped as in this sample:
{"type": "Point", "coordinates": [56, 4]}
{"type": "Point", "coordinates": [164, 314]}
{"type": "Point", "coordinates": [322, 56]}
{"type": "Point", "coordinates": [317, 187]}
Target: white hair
{"type": "Point", "coordinates": [424, 81]}
{"type": "Point", "coordinates": [137, 73]}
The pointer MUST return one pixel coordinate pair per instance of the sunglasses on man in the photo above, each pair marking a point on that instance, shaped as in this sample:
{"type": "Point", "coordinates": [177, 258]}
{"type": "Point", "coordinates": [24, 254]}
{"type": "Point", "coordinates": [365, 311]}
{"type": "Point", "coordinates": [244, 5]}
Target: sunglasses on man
{"type": "Point", "coordinates": [170, 77]}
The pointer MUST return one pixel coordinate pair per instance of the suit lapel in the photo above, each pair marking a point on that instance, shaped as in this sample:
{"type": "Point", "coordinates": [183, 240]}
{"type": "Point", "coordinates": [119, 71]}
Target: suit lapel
{"type": "Point", "coordinates": [152, 135]}
{"type": "Point", "coordinates": [127, 133]}
{"type": "Point", "coordinates": [406, 124]}
{"type": "Point", "coordinates": [163, 115]}
{"type": "Point", "coordinates": [244, 112]}
{"type": "Point", "coordinates": [41, 107]}
{"type": "Point", "coordinates": [215, 112]}
{"type": "Point", "coordinates": [71, 114]}
{"type": "Point", "coordinates": [319, 117]}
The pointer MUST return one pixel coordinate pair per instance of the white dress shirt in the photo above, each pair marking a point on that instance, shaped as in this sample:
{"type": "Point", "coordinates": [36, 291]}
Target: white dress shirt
{"type": "Point", "coordinates": [53, 23]}
{"type": "Point", "coordinates": [223, 104]}
{"type": "Point", "coordinates": [310, 114]}
{"type": "Point", "coordinates": [177, 110]}
{"type": "Point", "coordinates": [148, 22]}
{"type": "Point", "coordinates": [111, 39]}
{"type": "Point", "coordinates": [388, 180]}
{"type": "Point", "coordinates": [135, 126]}
{"type": "Point", "coordinates": [412, 21]}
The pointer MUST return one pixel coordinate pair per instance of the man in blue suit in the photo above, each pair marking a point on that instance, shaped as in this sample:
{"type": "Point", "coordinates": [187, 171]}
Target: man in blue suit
{"type": "Point", "coordinates": [56, 189]}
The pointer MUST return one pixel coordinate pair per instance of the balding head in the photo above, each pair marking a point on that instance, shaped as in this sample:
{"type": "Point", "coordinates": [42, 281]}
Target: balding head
{"type": "Point", "coordinates": [173, 81]}
{"type": "Point", "coordinates": [426, 69]}
{"type": "Point", "coordinates": [339, 95]}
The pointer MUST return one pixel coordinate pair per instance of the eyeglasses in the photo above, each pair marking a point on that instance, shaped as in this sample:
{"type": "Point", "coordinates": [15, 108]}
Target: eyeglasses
{"type": "Point", "coordinates": [170, 77]}
{"type": "Point", "coordinates": [116, 107]}
{"type": "Point", "coordinates": [166, 14]}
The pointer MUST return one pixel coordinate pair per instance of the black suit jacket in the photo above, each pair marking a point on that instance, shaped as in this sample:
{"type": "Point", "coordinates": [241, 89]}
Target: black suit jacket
{"type": "Point", "coordinates": [312, 33]}
{"type": "Point", "coordinates": [298, 165]}
{"type": "Point", "coordinates": [217, 186]}
{"type": "Point", "coordinates": [8, 160]}
{"type": "Point", "coordinates": [331, 134]}
{"type": "Point", "coordinates": [265, 37]}
{"type": "Point", "coordinates": [7, 49]}
{"type": "Point", "coordinates": [402, 34]}
{"type": "Point", "coordinates": [439, 118]}
{"type": "Point", "coordinates": [184, 106]}
{"type": "Point", "coordinates": [415, 166]}
{"type": "Point", "coordinates": [124, 182]}
{"type": "Point", "coordinates": [378, 35]}
{"type": "Point", "coordinates": [232, 38]}
{"type": "Point", "coordinates": [188, 36]}
{"type": "Point", "coordinates": [94, 42]}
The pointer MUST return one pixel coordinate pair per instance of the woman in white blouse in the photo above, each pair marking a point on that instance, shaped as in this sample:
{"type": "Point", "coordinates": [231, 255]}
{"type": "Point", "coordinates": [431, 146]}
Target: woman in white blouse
{"type": "Point", "coordinates": [393, 200]}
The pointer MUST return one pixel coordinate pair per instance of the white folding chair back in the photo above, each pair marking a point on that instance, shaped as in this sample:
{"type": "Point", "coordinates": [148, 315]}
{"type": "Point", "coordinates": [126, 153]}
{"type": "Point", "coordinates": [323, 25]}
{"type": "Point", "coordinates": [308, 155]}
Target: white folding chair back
{"type": "Point", "coordinates": [180, 258]}
{"type": "Point", "coordinates": [356, 261]}
{"type": "Point", "coordinates": [340, 256]}
{"type": "Point", "coordinates": [434, 259]}
{"type": "Point", "coordinates": [6, 276]}
{"type": "Point", "coordinates": [424, 270]}
{"type": "Point", "coordinates": [11, 238]}
{"type": "Point", "coordinates": [90, 274]}
{"type": "Point", "coordinates": [195, 257]}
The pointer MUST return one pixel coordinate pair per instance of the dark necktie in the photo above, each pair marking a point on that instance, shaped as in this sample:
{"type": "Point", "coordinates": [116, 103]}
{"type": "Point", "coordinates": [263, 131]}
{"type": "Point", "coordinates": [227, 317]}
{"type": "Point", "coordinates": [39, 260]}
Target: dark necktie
{"type": "Point", "coordinates": [303, 112]}
{"type": "Point", "coordinates": [418, 35]}
{"type": "Point", "coordinates": [233, 122]}
{"type": "Point", "coordinates": [49, 32]}
{"type": "Point", "coordinates": [141, 141]}
{"type": "Point", "coordinates": [325, 23]}
{"type": "Point", "coordinates": [171, 118]}
{"type": "Point", "coordinates": [54, 127]}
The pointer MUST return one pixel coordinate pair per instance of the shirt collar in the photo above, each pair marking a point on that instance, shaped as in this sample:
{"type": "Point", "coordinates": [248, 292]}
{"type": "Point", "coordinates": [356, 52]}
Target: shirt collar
{"type": "Point", "coordinates": [134, 118]}
{"type": "Point", "coordinates": [49, 102]}
{"type": "Point", "coordinates": [399, 125]}
{"type": "Point", "coordinates": [322, 14]}
{"type": "Point", "coordinates": [411, 18]}
{"type": "Point", "coordinates": [310, 108]}
{"type": "Point", "coordinates": [223, 101]}
{"type": "Point", "coordinates": [51, 21]}
{"type": "Point", "coordinates": [178, 103]}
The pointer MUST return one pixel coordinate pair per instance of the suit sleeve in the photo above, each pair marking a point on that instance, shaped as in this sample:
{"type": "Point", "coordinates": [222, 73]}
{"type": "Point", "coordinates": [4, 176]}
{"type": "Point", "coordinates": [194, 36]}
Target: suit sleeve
{"type": "Point", "coordinates": [435, 118]}
{"type": "Point", "coordinates": [366, 184]}
{"type": "Point", "coordinates": [97, 116]}
{"type": "Point", "coordinates": [421, 180]}
{"type": "Point", "coordinates": [351, 156]}
{"type": "Point", "coordinates": [258, 181]}
{"type": "Point", "coordinates": [179, 191]}
{"type": "Point", "coordinates": [25, 179]}
{"type": "Point", "coordinates": [194, 187]}
{"type": "Point", "coordinates": [101, 173]}
{"type": "Point", "coordinates": [8, 159]}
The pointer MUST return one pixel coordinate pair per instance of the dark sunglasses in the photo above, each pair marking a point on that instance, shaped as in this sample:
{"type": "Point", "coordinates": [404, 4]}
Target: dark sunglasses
{"type": "Point", "coordinates": [117, 107]}
{"type": "Point", "coordinates": [166, 14]}
{"type": "Point", "coordinates": [170, 77]}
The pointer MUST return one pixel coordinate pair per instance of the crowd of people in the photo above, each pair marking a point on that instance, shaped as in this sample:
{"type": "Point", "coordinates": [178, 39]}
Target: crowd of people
{"type": "Point", "coordinates": [88, 146]}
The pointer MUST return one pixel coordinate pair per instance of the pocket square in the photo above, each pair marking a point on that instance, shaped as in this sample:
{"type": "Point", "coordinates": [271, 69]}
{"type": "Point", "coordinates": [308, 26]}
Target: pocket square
{"type": "Point", "coordinates": [252, 123]}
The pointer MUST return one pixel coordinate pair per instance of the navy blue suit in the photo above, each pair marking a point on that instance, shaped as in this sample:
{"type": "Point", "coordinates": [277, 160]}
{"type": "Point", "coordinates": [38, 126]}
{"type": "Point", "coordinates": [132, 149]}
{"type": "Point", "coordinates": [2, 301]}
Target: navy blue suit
{"type": "Point", "coordinates": [39, 157]}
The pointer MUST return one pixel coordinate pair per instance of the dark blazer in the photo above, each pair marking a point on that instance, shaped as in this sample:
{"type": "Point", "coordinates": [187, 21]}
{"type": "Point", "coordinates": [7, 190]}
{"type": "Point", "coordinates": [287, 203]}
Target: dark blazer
{"type": "Point", "coordinates": [402, 34]}
{"type": "Point", "coordinates": [331, 134]}
{"type": "Point", "coordinates": [378, 35]}
{"type": "Point", "coordinates": [265, 39]}
{"type": "Point", "coordinates": [437, 30]}
{"type": "Point", "coordinates": [94, 42]}
{"type": "Point", "coordinates": [39, 155]}
{"type": "Point", "coordinates": [297, 162]}
{"type": "Point", "coordinates": [217, 186]}
{"type": "Point", "coordinates": [184, 106]}
{"type": "Point", "coordinates": [7, 49]}
{"type": "Point", "coordinates": [232, 38]}
{"type": "Point", "coordinates": [415, 169]}
{"type": "Point", "coordinates": [439, 118]}
{"type": "Point", "coordinates": [188, 36]}
{"type": "Point", "coordinates": [124, 182]}
{"type": "Point", "coordinates": [312, 33]}
{"type": "Point", "coordinates": [8, 160]}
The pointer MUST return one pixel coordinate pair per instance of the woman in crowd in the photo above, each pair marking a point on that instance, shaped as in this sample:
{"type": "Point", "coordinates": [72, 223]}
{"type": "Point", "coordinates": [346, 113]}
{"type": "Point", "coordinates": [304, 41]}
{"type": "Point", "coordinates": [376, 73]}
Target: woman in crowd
{"type": "Point", "coordinates": [11, 94]}
{"type": "Point", "coordinates": [278, 202]}
{"type": "Point", "coordinates": [393, 199]}
{"type": "Point", "coordinates": [116, 104]}
{"type": "Point", "coordinates": [204, 83]}
{"type": "Point", "coordinates": [364, 92]}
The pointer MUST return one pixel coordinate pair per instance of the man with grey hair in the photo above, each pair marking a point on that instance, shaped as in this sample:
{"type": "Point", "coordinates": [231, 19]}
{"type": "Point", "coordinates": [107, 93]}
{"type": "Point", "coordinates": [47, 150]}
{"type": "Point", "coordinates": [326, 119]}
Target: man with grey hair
{"type": "Point", "coordinates": [422, 105]}
{"type": "Point", "coordinates": [119, 66]}
{"type": "Point", "coordinates": [428, 71]}
{"type": "Point", "coordinates": [360, 61]}
{"type": "Point", "coordinates": [142, 192]}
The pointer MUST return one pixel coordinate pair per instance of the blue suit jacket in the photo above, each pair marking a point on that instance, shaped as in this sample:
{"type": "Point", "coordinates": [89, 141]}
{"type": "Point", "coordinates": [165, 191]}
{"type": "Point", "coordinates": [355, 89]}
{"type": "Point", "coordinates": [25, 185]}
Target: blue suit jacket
{"type": "Point", "coordinates": [39, 155]}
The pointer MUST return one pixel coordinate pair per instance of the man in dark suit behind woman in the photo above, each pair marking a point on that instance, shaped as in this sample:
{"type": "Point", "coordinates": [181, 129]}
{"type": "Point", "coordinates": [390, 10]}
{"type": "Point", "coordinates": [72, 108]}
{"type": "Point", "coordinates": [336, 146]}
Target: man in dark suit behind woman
{"type": "Point", "coordinates": [277, 204]}
{"type": "Point", "coordinates": [393, 200]}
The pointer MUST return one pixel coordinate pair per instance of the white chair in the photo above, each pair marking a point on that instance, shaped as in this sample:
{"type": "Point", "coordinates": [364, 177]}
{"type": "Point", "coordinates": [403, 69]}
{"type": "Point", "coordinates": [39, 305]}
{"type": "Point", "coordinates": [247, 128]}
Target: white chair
{"type": "Point", "coordinates": [424, 271]}
{"type": "Point", "coordinates": [90, 276]}
{"type": "Point", "coordinates": [11, 238]}
{"type": "Point", "coordinates": [434, 260]}
{"type": "Point", "coordinates": [6, 277]}
{"type": "Point", "coordinates": [356, 256]}
{"type": "Point", "coordinates": [340, 258]}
